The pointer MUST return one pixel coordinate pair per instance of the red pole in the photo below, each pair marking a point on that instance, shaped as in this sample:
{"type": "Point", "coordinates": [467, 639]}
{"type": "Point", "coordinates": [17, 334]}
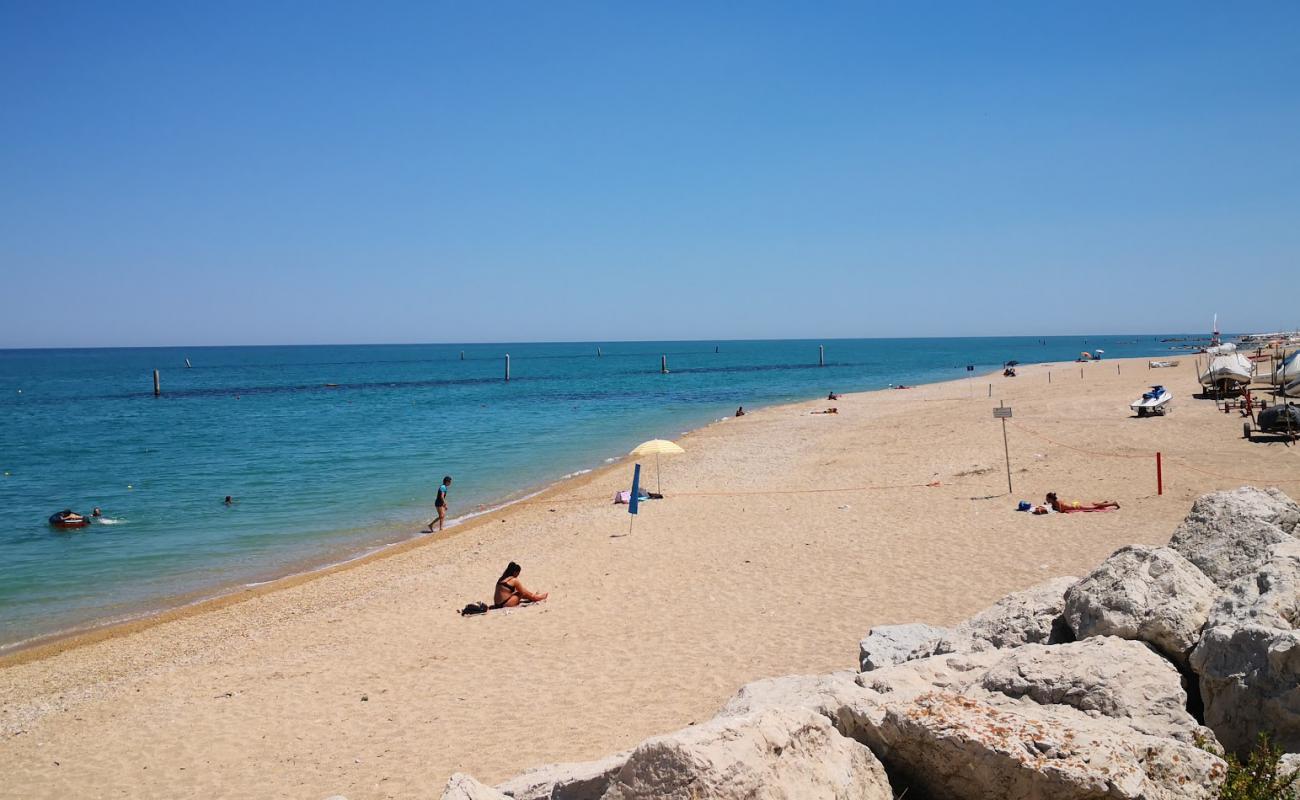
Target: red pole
{"type": "Point", "coordinates": [1160, 476]}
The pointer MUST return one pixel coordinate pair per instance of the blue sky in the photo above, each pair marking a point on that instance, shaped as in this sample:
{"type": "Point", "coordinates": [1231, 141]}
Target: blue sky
{"type": "Point", "coordinates": [284, 172]}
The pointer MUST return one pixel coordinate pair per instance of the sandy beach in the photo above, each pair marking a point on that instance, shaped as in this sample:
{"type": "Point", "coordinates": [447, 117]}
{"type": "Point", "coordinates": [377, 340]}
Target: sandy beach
{"type": "Point", "coordinates": [785, 535]}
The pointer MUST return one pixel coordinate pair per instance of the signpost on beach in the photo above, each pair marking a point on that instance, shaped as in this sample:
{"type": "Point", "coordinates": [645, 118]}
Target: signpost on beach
{"type": "Point", "coordinates": [1003, 412]}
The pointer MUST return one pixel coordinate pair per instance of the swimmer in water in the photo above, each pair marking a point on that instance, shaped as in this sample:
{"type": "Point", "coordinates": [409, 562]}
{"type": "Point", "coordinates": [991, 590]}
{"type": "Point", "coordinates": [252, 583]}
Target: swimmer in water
{"type": "Point", "coordinates": [230, 501]}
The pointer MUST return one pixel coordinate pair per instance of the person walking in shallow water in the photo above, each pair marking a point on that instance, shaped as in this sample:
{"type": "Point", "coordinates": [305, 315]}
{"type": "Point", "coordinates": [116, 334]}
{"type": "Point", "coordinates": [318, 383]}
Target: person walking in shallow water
{"type": "Point", "coordinates": [441, 503]}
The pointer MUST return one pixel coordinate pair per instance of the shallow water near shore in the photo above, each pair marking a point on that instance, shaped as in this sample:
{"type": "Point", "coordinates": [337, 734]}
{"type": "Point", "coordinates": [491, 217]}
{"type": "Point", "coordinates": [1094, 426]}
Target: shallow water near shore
{"type": "Point", "coordinates": [330, 451]}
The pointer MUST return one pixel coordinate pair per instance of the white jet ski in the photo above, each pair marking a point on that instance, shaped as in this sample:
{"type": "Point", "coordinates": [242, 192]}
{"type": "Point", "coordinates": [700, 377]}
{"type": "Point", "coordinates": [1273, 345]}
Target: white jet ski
{"type": "Point", "coordinates": [1154, 402]}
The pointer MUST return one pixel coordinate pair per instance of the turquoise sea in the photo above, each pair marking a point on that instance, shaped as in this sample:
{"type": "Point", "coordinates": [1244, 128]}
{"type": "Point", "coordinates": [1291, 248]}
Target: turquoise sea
{"type": "Point", "coordinates": [330, 451]}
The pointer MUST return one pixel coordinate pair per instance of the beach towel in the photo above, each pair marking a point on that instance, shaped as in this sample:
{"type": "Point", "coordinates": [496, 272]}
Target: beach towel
{"type": "Point", "coordinates": [1078, 508]}
{"type": "Point", "coordinates": [625, 498]}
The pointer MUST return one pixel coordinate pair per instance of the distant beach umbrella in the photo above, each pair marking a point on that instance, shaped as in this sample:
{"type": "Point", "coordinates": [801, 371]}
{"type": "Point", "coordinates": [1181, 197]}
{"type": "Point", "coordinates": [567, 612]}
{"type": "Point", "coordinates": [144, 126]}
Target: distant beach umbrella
{"type": "Point", "coordinates": [657, 447]}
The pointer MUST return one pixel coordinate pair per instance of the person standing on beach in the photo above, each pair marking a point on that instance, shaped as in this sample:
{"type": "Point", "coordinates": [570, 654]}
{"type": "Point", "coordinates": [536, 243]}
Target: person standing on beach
{"type": "Point", "coordinates": [441, 503]}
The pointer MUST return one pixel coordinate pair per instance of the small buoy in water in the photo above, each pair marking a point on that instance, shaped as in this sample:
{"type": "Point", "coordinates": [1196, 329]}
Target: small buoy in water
{"type": "Point", "coordinates": [129, 486]}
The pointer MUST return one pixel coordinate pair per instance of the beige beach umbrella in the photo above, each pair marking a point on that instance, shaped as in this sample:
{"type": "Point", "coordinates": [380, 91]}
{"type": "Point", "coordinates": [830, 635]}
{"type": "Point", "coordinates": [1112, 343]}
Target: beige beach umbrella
{"type": "Point", "coordinates": [657, 447]}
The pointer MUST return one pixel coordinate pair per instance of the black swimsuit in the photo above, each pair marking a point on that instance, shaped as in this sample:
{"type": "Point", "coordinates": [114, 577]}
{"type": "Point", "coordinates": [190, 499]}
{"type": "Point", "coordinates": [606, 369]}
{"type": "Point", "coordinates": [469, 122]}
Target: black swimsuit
{"type": "Point", "coordinates": [513, 592]}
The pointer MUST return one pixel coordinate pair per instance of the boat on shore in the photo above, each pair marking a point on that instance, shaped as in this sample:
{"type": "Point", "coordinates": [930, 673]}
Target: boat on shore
{"type": "Point", "coordinates": [1287, 370]}
{"type": "Point", "coordinates": [1228, 373]}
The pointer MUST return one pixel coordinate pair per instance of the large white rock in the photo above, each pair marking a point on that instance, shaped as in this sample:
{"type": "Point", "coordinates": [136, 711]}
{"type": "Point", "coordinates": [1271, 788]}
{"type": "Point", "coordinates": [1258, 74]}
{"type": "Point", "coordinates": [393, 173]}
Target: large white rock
{"type": "Point", "coordinates": [887, 645]}
{"type": "Point", "coordinates": [463, 787]}
{"type": "Point", "coordinates": [831, 695]}
{"type": "Point", "coordinates": [1248, 658]}
{"type": "Point", "coordinates": [776, 754]}
{"type": "Point", "coordinates": [1102, 677]}
{"type": "Point", "coordinates": [962, 748]}
{"type": "Point", "coordinates": [1150, 594]}
{"type": "Point", "coordinates": [1032, 616]}
{"type": "Point", "coordinates": [585, 780]}
{"type": "Point", "coordinates": [1103, 717]}
{"type": "Point", "coordinates": [1228, 534]}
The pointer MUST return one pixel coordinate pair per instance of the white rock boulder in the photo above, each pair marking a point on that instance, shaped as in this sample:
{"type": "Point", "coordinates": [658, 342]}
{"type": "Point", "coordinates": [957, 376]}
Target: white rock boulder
{"type": "Point", "coordinates": [1102, 677]}
{"type": "Point", "coordinates": [1149, 594]}
{"type": "Point", "coordinates": [1103, 717]}
{"type": "Point", "coordinates": [585, 780]}
{"type": "Point", "coordinates": [463, 787]}
{"type": "Point", "coordinates": [1228, 534]}
{"type": "Point", "coordinates": [887, 645]}
{"type": "Point", "coordinates": [963, 748]}
{"type": "Point", "coordinates": [833, 696]}
{"type": "Point", "coordinates": [1248, 658]}
{"type": "Point", "coordinates": [776, 754]}
{"type": "Point", "coordinates": [1032, 616]}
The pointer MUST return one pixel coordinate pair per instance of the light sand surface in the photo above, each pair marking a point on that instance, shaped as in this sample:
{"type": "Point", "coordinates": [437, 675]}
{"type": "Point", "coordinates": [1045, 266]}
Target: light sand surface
{"type": "Point", "coordinates": [768, 557]}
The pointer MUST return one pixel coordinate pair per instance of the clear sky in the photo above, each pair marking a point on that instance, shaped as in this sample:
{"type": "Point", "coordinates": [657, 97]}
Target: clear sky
{"type": "Point", "coordinates": [285, 172]}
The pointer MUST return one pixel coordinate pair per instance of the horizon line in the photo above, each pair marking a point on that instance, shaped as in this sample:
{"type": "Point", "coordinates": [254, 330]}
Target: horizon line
{"type": "Point", "coordinates": [596, 341]}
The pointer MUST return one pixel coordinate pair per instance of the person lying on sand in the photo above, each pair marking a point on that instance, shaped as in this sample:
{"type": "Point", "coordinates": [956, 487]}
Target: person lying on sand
{"type": "Point", "coordinates": [828, 411]}
{"type": "Point", "coordinates": [510, 592]}
{"type": "Point", "coordinates": [1076, 506]}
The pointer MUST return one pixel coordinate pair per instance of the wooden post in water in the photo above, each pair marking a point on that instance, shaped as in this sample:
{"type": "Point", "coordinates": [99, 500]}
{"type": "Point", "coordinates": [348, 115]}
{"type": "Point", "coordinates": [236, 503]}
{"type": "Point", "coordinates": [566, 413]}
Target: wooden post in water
{"type": "Point", "coordinates": [462, 355]}
{"type": "Point", "coordinates": [821, 355]}
{"type": "Point", "coordinates": [157, 384]}
{"type": "Point", "coordinates": [507, 367]}
{"type": "Point", "coordinates": [663, 365]}
{"type": "Point", "coordinates": [598, 353]}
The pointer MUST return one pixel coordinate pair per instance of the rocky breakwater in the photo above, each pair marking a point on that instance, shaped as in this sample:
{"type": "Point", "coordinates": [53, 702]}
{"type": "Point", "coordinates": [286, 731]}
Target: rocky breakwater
{"type": "Point", "coordinates": [1077, 688]}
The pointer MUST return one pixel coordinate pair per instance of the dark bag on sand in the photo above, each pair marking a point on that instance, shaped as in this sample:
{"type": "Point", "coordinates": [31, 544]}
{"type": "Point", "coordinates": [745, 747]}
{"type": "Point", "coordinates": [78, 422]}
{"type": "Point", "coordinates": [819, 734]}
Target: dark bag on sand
{"type": "Point", "coordinates": [474, 608]}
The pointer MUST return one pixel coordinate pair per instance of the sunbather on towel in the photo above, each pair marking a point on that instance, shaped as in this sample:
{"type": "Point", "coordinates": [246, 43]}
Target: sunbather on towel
{"type": "Point", "coordinates": [1071, 507]}
{"type": "Point", "coordinates": [510, 592]}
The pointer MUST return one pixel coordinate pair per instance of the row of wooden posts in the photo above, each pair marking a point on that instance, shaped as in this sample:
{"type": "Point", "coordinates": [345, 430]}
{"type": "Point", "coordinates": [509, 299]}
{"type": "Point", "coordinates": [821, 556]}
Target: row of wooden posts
{"type": "Point", "coordinates": [663, 365]}
{"type": "Point", "coordinates": [663, 368]}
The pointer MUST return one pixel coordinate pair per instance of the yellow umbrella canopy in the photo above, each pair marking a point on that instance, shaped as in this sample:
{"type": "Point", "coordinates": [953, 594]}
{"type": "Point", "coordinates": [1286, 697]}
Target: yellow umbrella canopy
{"type": "Point", "coordinates": [657, 447]}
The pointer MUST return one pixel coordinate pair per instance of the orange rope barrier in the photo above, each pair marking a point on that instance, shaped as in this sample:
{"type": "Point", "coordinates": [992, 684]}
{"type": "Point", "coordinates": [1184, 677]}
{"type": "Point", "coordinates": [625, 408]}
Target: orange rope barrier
{"type": "Point", "coordinates": [1181, 463]}
{"type": "Point", "coordinates": [1072, 447]}
{"type": "Point", "coordinates": [746, 492]}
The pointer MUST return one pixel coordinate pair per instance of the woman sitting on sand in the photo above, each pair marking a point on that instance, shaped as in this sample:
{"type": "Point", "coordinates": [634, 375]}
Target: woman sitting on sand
{"type": "Point", "coordinates": [510, 592]}
{"type": "Point", "coordinates": [1076, 506]}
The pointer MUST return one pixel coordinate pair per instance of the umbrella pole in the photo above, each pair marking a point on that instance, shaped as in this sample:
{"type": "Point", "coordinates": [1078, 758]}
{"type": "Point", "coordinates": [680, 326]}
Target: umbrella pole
{"type": "Point", "coordinates": [659, 484]}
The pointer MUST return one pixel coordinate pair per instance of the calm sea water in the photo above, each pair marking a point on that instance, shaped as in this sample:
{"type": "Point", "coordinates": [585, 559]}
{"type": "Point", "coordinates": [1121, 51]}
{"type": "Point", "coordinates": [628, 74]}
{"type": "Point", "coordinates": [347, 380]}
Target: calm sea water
{"type": "Point", "coordinates": [322, 471]}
